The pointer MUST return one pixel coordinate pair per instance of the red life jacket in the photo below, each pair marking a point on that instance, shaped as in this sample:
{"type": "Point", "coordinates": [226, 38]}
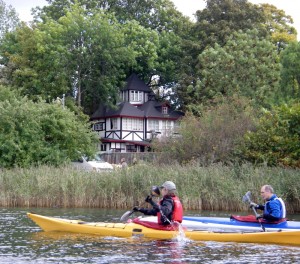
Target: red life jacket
{"type": "Point", "coordinates": [177, 213]}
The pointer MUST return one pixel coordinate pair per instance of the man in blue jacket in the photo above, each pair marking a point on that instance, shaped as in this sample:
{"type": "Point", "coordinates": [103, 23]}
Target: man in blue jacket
{"type": "Point", "coordinates": [274, 207]}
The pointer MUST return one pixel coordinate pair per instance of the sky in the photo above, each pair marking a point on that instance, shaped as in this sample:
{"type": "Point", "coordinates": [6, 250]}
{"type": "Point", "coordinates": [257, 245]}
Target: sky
{"type": "Point", "coordinates": [187, 7]}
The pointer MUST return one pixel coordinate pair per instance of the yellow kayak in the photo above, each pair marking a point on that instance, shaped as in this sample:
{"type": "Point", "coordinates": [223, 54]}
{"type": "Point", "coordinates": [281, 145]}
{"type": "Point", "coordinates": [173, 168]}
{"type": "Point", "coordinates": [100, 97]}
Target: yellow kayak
{"type": "Point", "coordinates": [49, 224]}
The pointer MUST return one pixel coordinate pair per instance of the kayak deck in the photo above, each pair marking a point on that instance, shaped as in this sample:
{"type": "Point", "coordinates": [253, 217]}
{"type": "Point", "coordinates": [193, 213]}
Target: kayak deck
{"type": "Point", "coordinates": [49, 224]}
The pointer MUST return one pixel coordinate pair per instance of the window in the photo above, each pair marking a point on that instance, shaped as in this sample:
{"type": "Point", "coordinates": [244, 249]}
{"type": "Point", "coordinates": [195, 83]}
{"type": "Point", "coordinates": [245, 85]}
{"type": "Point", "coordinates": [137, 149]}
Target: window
{"type": "Point", "coordinates": [132, 124]}
{"type": "Point", "coordinates": [166, 127]}
{"type": "Point", "coordinates": [103, 147]}
{"type": "Point", "coordinates": [113, 123]}
{"type": "Point", "coordinates": [99, 126]}
{"type": "Point", "coordinates": [153, 125]}
{"type": "Point", "coordinates": [131, 148]}
{"type": "Point", "coordinates": [165, 110]}
{"type": "Point", "coordinates": [136, 96]}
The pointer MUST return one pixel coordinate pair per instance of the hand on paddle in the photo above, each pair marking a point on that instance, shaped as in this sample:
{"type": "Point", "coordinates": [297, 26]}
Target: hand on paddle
{"type": "Point", "coordinates": [136, 209]}
{"type": "Point", "coordinates": [253, 205]}
{"type": "Point", "coordinates": [148, 199]}
{"type": "Point", "coordinates": [258, 217]}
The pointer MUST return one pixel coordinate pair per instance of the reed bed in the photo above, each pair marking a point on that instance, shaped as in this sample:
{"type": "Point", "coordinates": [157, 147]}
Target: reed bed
{"type": "Point", "coordinates": [215, 187]}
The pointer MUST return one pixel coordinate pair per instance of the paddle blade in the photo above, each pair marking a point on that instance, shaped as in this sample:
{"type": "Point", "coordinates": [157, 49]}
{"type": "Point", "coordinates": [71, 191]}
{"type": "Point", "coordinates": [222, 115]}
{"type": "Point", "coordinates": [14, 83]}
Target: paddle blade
{"type": "Point", "coordinates": [126, 216]}
{"type": "Point", "coordinates": [247, 197]}
{"type": "Point", "coordinates": [155, 191]}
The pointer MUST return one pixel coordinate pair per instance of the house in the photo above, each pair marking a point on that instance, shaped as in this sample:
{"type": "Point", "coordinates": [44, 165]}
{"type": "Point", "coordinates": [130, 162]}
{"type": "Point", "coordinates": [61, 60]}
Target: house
{"type": "Point", "coordinates": [137, 119]}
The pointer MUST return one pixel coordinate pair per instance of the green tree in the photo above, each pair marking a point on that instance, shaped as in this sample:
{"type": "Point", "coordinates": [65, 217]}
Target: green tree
{"type": "Point", "coordinates": [277, 138]}
{"type": "Point", "coordinates": [155, 14]}
{"type": "Point", "coordinates": [279, 25]}
{"type": "Point", "coordinates": [214, 25]}
{"type": "Point", "coordinates": [32, 62]}
{"type": "Point", "coordinates": [150, 17]}
{"type": "Point", "coordinates": [217, 23]}
{"type": "Point", "coordinates": [245, 65]}
{"type": "Point", "coordinates": [221, 18]}
{"type": "Point", "coordinates": [40, 133]}
{"type": "Point", "coordinates": [290, 73]}
{"type": "Point", "coordinates": [8, 18]}
{"type": "Point", "coordinates": [212, 137]}
{"type": "Point", "coordinates": [79, 55]}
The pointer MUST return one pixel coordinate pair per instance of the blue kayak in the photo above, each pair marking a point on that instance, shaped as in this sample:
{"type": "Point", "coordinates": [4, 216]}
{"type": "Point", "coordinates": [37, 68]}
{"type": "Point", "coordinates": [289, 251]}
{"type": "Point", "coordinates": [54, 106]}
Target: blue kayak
{"type": "Point", "coordinates": [236, 222]}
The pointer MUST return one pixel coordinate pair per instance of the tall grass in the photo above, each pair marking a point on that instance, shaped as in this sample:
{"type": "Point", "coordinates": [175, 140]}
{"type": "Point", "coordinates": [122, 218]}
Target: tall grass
{"type": "Point", "coordinates": [214, 187]}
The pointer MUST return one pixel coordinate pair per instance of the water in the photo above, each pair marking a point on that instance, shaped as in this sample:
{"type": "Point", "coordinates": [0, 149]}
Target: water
{"type": "Point", "coordinates": [21, 241]}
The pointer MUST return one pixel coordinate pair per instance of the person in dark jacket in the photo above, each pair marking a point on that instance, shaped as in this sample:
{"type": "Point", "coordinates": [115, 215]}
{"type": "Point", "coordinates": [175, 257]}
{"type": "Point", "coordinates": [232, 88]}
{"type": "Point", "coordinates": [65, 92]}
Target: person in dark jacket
{"type": "Point", "coordinates": [168, 210]}
{"type": "Point", "coordinates": [274, 207]}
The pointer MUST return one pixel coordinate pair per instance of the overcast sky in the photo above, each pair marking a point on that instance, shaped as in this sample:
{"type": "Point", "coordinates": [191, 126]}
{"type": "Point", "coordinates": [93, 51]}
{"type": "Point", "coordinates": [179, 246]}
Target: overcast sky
{"type": "Point", "coordinates": [187, 7]}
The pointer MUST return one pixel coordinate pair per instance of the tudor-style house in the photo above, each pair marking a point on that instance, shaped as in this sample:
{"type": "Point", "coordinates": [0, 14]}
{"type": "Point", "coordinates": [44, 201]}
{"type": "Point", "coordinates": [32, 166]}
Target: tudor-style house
{"type": "Point", "coordinates": [137, 119]}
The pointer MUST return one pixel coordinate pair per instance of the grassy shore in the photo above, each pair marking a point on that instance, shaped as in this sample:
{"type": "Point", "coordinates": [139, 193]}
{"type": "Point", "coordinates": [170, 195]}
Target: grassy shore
{"type": "Point", "coordinates": [200, 188]}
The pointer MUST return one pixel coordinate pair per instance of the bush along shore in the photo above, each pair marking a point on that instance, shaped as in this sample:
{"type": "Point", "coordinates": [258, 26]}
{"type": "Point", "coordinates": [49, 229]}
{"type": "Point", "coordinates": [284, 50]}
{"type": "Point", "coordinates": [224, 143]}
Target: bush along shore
{"type": "Point", "coordinates": [214, 188]}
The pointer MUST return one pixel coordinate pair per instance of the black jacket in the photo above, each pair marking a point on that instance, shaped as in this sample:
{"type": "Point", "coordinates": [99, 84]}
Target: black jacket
{"type": "Point", "coordinates": [165, 207]}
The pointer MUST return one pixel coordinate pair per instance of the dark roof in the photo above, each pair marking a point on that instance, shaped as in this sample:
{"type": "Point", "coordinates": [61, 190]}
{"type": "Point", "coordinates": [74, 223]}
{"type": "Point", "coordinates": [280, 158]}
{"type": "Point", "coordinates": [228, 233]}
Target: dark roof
{"type": "Point", "coordinates": [133, 82]}
{"type": "Point", "coordinates": [153, 109]}
{"type": "Point", "coordinates": [123, 109]}
{"type": "Point", "coordinates": [150, 109]}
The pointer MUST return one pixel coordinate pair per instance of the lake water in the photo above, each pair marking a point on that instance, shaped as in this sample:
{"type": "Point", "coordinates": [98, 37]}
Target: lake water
{"type": "Point", "coordinates": [21, 241]}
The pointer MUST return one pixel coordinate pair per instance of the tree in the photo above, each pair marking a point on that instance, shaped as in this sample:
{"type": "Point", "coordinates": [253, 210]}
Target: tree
{"type": "Point", "coordinates": [40, 133]}
{"type": "Point", "coordinates": [276, 140]}
{"type": "Point", "coordinates": [154, 14]}
{"type": "Point", "coordinates": [221, 18]}
{"type": "Point", "coordinates": [8, 18]}
{"type": "Point", "coordinates": [290, 73]}
{"type": "Point", "coordinates": [245, 65]}
{"type": "Point", "coordinates": [159, 17]}
{"type": "Point", "coordinates": [79, 55]}
{"type": "Point", "coordinates": [218, 22]}
{"type": "Point", "coordinates": [212, 137]}
{"type": "Point", "coordinates": [279, 25]}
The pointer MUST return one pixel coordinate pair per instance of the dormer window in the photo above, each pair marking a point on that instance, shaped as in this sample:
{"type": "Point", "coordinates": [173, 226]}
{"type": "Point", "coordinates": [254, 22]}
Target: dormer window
{"type": "Point", "coordinates": [164, 110]}
{"type": "Point", "coordinates": [136, 96]}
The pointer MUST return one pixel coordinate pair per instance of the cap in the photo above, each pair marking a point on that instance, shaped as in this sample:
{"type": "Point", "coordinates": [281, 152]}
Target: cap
{"type": "Point", "coordinates": [169, 185]}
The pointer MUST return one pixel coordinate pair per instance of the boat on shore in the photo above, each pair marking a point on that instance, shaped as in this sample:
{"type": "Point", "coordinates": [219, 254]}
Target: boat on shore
{"type": "Point", "coordinates": [151, 230]}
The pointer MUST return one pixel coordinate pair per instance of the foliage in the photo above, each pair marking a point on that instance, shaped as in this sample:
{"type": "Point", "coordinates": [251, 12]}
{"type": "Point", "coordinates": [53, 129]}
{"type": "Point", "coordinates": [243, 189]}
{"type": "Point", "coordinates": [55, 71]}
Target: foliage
{"type": "Point", "coordinates": [87, 55]}
{"type": "Point", "coordinates": [212, 137]}
{"type": "Point", "coordinates": [279, 25]}
{"type": "Point", "coordinates": [277, 139]}
{"type": "Point", "coordinates": [40, 133]}
{"type": "Point", "coordinates": [290, 73]}
{"type": "Point", "coordinates": [154, 29]}
{"type": "Point", "coordinates": [160, 15]}
{"type": "Point", "coordinates": [215, 26]}
{"type": "Point", "coordinates": [79, 55]}
{"type": "Point", "coordinates": [8, 18]}
{"type": "Point", "coordinates": [221, 18]}
{"type": "Point", "coordinates": [245, 65]}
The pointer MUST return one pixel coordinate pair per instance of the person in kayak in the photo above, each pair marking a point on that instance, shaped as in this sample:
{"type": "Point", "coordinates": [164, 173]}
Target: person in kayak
{"type": "Point", "coordinates": [168, 210]}
{"type": "Point", "coordinates": [274, 207]}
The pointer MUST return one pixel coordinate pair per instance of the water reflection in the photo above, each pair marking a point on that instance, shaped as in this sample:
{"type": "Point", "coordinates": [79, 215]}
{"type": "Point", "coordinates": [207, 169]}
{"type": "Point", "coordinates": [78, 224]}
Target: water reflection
{"type": "Point", "coordinates": [21, 241]}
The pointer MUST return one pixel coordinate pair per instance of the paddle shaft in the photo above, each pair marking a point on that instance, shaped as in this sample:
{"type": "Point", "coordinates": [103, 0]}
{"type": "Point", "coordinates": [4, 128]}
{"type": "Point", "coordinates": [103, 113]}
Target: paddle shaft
{"type": "Point", "coordinates": [256, 214]}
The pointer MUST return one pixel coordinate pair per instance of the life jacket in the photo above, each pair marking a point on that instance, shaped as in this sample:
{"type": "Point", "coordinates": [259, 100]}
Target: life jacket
{"type": "Point", "coordinates": [177, 213]}
{"type": "Point", "coordinates": [283, 209]}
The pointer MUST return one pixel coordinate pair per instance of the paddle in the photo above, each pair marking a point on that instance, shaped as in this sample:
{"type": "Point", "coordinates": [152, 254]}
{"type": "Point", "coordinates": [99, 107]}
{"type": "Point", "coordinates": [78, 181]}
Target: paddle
{"type": "Point", "coordinates": [154, 192]}
{"type": "Point", "coordinates": [126, 215]}
{"type": "Point", "coordinates": [247, 198]}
